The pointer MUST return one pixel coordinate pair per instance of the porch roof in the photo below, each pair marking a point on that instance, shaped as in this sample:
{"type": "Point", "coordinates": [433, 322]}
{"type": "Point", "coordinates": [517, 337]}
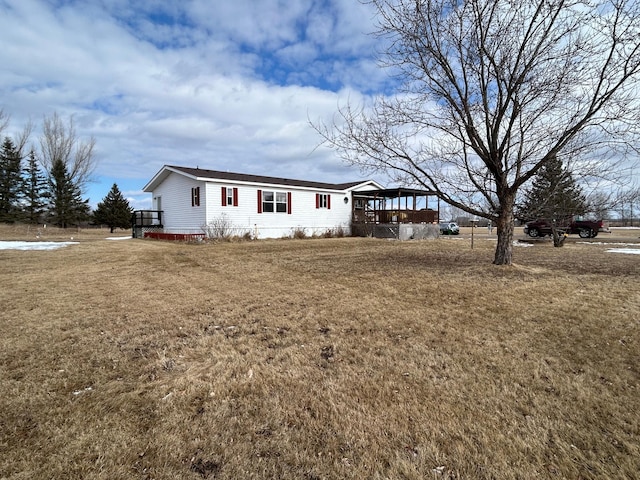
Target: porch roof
{"type": "Point", "coordinates": [397, 192]}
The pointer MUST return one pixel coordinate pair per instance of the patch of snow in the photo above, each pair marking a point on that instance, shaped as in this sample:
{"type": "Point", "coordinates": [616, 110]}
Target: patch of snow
{"type": "Point", "coordinates": [633, 251]}
{"type": "Point", "coordinates": [119, 238]}
{"type": "Point", "coordinates": [611, 243]}
{"type": "Point", "coordinates": [78, 392]}
{"type": "Point", "coordinates": [14, 245]}
{"type": "Point", "coordinates": [517, 243]}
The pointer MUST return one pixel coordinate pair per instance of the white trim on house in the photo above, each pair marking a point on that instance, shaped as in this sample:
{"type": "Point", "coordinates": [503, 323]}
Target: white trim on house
{"type": "Point", "coordinates": [296, 204]}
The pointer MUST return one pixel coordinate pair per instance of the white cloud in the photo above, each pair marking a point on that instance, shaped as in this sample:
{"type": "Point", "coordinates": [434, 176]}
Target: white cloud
{"type": "Point", "coordinates": [265, 24]}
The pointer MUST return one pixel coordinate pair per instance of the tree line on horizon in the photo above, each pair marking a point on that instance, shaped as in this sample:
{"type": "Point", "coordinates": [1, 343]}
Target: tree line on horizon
{"type": "Point", "coordinates": [45, 185]}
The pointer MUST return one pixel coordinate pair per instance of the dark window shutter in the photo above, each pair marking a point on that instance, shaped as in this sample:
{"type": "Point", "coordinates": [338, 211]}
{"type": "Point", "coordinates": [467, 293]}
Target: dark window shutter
{"type": "Point", "coordinates": [193, 197]}
{"type": "Point", "coordinates": [317, 200]}
{"type": "Point", "coordinates": [259, 201]}
{"type": "Point", "coordinates": [329, 201]}
{"type": "Point", "coordinates": [224, 196]}
{"type": "Point", "coordinates": [235, 197]}
{"type": "Point", "coordinates": [289, 203]}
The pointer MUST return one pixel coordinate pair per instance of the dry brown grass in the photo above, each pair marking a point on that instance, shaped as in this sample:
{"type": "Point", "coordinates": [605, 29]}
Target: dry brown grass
{"type": "Point", "coordinates": [318, 359]}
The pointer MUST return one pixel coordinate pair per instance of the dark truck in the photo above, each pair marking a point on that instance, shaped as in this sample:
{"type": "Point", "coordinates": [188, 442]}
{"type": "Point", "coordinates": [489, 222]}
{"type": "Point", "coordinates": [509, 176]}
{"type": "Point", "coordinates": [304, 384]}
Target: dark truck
{"type": "Point", "coordinates": [584, 228]}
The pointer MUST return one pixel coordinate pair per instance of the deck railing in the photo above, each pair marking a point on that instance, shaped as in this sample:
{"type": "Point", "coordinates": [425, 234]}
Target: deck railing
{"type": "Point", "coordinates": [146, 221]}
{"type": "Point", "coordinates": [395, 216]}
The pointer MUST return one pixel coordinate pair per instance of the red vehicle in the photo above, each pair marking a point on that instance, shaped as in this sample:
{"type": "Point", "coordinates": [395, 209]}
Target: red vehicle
{"type": "Point", "coordinates": [584, 228]}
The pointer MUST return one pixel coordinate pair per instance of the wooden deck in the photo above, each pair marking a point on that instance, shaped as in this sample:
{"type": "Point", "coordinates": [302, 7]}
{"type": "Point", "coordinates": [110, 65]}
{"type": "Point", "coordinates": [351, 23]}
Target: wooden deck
{"type": "Point", "coordinates": [146, 221]}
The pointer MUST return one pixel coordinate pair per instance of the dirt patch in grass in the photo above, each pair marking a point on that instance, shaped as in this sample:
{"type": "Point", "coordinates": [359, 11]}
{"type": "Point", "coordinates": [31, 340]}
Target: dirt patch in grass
{"type": "Point", "coordinates": [314, 359]}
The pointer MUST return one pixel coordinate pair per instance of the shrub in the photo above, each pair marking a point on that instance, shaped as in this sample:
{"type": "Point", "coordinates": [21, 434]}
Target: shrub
{"type": "Point", "coordinates": [220, 228]}
{"type": "Point", "coordinates": [299, 233]}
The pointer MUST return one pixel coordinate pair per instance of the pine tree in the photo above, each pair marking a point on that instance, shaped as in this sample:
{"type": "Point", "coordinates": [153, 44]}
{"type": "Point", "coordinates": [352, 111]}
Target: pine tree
{"type": "Point", "coordinates": [66, 206]}
{"type": "Point", "coordinates": [553, 195]}
{"type": "Point", "coordinates": [35, 193]}
{"type": "Point", "coordinates": [10, 181]}
{"type": "Point", "coordinates": [114, 210]}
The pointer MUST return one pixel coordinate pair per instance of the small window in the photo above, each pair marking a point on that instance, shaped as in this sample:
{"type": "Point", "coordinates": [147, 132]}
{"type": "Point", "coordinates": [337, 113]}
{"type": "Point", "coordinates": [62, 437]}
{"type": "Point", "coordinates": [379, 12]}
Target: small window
{"type": "Point", "coordinates": [229, 196]}
{"type": "Point", "coordinates": [323, 200]}
{"type": "Point", "coordinates": [195, 197]}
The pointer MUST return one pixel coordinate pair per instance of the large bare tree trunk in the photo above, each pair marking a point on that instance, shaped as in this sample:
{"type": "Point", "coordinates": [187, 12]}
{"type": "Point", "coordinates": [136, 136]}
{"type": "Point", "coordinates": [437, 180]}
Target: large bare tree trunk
{"type": "Point", "coordinates": [504, 248]}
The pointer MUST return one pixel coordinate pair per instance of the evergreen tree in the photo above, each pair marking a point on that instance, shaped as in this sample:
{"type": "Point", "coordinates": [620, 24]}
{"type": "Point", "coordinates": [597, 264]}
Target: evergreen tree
{"type": "Point", "coordinates": [10, 181]}
{"type": "Point", "coordinates": [35, 193]}
{"type": "Point", "coordinates": [114, 210]}
{"type": "Point", "coordinates": [66, 206]}
{"type": "Point", "coordinates": [554, 195]}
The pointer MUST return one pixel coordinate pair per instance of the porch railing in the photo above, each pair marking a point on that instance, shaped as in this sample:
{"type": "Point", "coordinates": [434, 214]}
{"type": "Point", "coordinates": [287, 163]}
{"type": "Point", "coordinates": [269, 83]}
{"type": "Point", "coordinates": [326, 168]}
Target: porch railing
{"type": "Point", "coordinates": [146, 221]}
{"type": "Point", "coordinates": [395, 216]}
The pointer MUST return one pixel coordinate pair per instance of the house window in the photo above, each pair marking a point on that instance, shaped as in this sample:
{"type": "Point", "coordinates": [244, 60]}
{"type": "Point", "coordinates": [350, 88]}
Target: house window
{"type": "Point", "coordinates": [278, 202]}
{"type": "Point", "coordinates": [195, 197]}
{"type": "Point", "coordinates": [281, 202]}
{"type": "Point", "coordinates": [229, 196]}
{"type": "Point", "coordinates": [323, 200]}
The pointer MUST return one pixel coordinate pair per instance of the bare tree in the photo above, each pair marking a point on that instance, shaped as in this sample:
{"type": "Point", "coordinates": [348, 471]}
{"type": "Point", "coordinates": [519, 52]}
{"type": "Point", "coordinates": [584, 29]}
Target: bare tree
{"type": "Point", "coordinates": [4, 120]}
{"type": "Point", "coordinates": [626, 204]}
{"type": "Point", "coordinates": [600, 203]}
{"type": "Point", "coordinates": [60, 142]}
{"type": "Point", "coordinates": [491, 90]}
{"type": "Point", "coordinates": [623, 201]}
{"type": "Point", "coordinates": [21, 139]}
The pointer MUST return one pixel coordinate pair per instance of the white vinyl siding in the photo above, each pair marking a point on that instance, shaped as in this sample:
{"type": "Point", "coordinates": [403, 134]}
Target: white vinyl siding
{"type": "Point", "coordinates": [304, 214]}
{"type": "Point", "coordinates": [177, 196]}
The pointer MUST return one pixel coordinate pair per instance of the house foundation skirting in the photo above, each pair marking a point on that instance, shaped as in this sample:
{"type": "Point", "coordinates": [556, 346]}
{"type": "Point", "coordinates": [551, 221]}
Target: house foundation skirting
{"type": "Point", "coordinates": [140, 231]}
{"type": "Point", "coordinates": [398, 231]}
{"type": "Point", "coordinates": [179, 237]}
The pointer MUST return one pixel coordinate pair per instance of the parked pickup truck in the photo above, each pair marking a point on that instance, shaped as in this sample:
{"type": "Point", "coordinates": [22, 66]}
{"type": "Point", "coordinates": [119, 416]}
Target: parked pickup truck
{"type": "Point", "coordinates": [584, 228]}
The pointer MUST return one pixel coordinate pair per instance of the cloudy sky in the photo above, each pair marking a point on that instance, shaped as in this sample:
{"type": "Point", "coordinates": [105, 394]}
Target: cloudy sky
{"type": "Point", "coordinates": [220, 84]}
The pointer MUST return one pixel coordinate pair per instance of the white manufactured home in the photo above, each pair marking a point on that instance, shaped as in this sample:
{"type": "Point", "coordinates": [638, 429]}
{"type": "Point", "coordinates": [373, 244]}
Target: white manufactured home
{"type": "Point", "coordinates": [188, 201]}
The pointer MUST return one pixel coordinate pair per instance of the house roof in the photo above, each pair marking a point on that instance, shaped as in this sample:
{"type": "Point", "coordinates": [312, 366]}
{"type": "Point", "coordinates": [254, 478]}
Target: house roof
{"type": "Point", "coordinates": [204, 175]}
